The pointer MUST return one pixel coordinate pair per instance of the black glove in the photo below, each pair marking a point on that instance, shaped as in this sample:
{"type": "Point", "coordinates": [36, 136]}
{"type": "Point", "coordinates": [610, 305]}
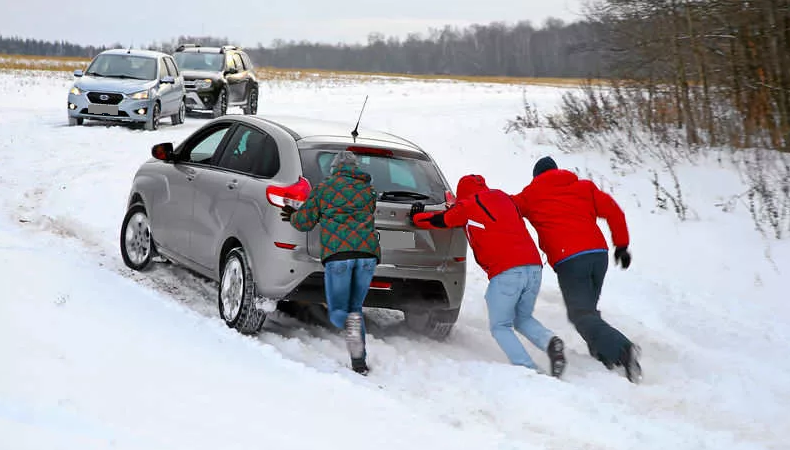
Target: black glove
{"type": "Point", "coordinates": [416, 208]}
{"type": "Point", "coordinates": [286, 213]}
{"type": "Point", "coordinates": [622, 256]}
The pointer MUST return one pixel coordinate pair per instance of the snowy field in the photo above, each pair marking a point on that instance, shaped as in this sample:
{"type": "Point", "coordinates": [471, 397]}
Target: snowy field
{"type": "Point", "coordinates": [97, 357]}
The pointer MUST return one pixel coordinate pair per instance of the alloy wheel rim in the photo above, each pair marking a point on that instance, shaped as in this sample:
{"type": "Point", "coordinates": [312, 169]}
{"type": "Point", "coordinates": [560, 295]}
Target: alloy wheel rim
{"type": "Point", "coordinates": [232, 289]}
{"type": "Point", "coordinates": [137, 238]}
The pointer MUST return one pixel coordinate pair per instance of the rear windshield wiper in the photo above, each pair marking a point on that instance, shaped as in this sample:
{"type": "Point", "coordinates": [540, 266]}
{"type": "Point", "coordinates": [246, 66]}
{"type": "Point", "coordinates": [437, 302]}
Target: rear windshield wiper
{"type": "Point", "coordinates": [391, 195]}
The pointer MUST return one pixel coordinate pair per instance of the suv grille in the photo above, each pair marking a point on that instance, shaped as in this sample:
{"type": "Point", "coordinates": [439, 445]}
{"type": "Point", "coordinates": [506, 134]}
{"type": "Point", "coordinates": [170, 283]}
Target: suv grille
{"type": "Point", "coordinates": [105, 98]}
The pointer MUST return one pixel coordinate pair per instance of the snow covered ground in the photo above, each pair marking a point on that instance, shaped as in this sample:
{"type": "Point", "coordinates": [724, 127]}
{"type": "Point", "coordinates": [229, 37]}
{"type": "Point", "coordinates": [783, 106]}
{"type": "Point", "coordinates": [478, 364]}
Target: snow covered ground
{"type": "Point", "coordinates": [95, 356]}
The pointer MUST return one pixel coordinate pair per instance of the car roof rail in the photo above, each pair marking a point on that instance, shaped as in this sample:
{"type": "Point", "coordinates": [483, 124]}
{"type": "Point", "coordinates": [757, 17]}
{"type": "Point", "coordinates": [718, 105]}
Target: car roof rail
{"type": "Point", "coordinates": [228, 47]}
{"type": "Point", "coordinates": [183, 46]}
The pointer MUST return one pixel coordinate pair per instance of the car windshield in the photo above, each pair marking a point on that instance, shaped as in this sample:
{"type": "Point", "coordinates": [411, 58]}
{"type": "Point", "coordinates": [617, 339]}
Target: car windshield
{"type": "Point", "coordinates": [396, 178]}
{"type": "Point", "coordinates": [123, 66]}
{"type": "Point", "coordinates": [199, 61]}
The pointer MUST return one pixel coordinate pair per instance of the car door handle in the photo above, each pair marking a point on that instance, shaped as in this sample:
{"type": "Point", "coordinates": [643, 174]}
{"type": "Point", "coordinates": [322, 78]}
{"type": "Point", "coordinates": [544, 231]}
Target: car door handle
{"type": "Point", "coordinates": [233, 184]}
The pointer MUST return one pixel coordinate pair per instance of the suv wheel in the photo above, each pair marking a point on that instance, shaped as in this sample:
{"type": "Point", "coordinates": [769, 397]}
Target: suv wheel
{"type": "Point", "coordinates": [178, 118]}
{"type": "Point", "coordinates": [221, 105]}
{"type": "Point", "coordinates": [436, 324]}
{"type": "Point", "coordinates": [236, 296]}
{"type": "Point", "coordinates": [153, 123]}
{"type": "Point", "coordinates": [252, 103]}
{"type": "Point", "coordinates": [137, 244]}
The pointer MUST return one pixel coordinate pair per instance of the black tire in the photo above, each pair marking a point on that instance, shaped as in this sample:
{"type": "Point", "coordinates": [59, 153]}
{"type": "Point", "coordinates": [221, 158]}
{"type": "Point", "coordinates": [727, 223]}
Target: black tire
{"type": "Point", "coordinates": [178, 118]}
{"type": "Point", "coordinates": [435, 324]}
{"type": "Point", "coordinates": [251, 108]}
{"type": "Point", "coordinates": [221, 105]}
{"type": "Point", "coordinates": [156, 116]}
{"type": "Point", "coordinates": [249, 319]}
{"type": "Point", "coordinates": [138, 242]}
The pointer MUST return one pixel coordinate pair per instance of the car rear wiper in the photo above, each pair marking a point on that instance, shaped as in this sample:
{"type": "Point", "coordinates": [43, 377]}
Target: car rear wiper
{"type": "Point", "coordinates": [391, 195]}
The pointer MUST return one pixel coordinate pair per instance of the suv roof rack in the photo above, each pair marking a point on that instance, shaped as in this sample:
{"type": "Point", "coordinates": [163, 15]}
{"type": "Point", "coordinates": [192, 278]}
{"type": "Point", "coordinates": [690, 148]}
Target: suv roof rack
{"type": "Point", "coordinates": [183, 46]}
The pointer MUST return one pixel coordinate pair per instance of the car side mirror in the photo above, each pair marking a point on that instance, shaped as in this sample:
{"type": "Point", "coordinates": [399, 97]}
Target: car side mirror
{"type": "Point", "coordinates": [163, 151]}
{"type": "Point", "coordinates": [78, 73]}
{"type": "Point", "coordinates": [232, 71]}
{"type": "Point", "coordinates": [168, 80]}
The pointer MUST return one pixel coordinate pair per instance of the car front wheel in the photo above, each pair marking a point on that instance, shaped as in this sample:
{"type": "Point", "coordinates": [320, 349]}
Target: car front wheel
{"type": "Point", "coordinates": [153, 123]}
{"type": "Point", "coordinates": [178, 118]}
{"type": "Point", "coordinates": [236, 295]}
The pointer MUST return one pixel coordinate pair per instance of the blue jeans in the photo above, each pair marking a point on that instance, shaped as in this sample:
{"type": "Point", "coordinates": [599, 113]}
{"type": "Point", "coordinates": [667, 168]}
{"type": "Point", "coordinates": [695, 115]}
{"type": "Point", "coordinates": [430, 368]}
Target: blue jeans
{"type": "Point", "coordinates": [511, 299]}
{"type": "Point", "coordinates": [346, 283]}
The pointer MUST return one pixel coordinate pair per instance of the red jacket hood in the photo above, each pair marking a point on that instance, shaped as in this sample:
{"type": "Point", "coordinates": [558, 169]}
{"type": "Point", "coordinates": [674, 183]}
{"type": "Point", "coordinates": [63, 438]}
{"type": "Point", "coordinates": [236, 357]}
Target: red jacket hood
{"type": "Point", "coordinates": [470, 185]}
{"type": "Point", "coordinates": [556, 177]}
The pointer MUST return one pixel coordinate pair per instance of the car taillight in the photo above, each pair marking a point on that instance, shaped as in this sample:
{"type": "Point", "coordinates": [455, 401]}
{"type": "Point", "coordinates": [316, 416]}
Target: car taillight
{"type": "Point", "coordinates": [449, 199]}
{"type": "Point", "coordinates": [384, 285]}
{"type": "Point", "coordinates": [293, 195]}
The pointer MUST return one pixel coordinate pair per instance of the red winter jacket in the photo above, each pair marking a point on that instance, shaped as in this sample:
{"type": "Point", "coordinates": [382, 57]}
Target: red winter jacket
{"type": "Point", "coordinates": [495, 229]}
{"type": "Point", "coordinates": [564, 210]}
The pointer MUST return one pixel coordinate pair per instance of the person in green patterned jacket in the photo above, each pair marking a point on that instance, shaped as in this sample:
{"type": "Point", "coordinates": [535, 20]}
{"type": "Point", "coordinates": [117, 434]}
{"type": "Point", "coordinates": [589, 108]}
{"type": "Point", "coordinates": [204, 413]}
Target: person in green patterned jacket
{"type": "Point", "coordinates": [344, 204]}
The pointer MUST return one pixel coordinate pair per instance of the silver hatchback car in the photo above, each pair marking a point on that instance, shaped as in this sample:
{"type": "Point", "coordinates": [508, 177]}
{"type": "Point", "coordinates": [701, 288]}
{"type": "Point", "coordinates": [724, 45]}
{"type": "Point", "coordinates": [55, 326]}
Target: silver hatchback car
{"type": "Point", "coordinates": [132, 86]}
{"type": "Point", "coordinates": [212, 204]}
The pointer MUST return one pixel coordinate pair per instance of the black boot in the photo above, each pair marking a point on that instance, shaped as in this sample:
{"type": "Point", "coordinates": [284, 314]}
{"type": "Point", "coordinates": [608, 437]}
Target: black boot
{"type": "Point", "coordinates": [359, 366]}
{"type": "Point", "coordinates": [556, 356]}
{"type": "Point", "coordinates": [630, 361]}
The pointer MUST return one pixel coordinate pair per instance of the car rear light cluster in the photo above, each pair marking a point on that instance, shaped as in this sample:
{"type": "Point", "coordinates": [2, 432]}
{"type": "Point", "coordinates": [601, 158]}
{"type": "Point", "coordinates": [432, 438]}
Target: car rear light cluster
{"type": "Point", "coordinates": [293, 195]}
{"type": "Point", "coordinates": [449, 199]}
{"type": "Point", "coordinates": [383, 285]}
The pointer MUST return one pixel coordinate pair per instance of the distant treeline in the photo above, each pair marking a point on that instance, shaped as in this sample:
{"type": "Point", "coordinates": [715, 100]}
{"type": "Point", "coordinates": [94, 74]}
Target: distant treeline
{"type": "Point", "coordinates": [555, 49]}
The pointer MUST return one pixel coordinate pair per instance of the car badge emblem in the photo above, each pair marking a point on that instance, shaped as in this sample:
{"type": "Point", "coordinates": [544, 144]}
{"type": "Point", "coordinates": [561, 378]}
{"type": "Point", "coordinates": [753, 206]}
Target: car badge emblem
{"type": "Point", "coordinates": [104, 97]}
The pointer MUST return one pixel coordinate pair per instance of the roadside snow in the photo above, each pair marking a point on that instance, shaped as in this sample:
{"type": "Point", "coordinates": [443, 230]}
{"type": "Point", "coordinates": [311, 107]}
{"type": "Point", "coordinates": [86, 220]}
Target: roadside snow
{"type": "Point", "coordinates": [100, 357]}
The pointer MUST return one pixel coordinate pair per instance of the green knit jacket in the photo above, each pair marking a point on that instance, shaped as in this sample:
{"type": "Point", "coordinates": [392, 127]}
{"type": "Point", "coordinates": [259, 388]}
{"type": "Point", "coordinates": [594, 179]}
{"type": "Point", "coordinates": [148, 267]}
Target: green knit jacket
{"type": "Point", "coordinates": [344, 204]}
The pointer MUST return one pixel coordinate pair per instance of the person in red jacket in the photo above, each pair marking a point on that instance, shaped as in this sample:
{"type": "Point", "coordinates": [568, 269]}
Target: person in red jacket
{"type": "Point", "coordinates": [504, 249]}
{"type": "Point", "coordinates": [563, 210]}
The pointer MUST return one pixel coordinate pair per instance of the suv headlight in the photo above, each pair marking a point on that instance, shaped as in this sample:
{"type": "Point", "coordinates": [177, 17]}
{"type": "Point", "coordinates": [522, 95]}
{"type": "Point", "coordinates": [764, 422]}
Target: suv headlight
{"type": "Point", "coordinates": [142, 95]}
{"type": "Point", "coordinates": [203, 84]}
{"type": "Point", "coordinates": [75, 90]}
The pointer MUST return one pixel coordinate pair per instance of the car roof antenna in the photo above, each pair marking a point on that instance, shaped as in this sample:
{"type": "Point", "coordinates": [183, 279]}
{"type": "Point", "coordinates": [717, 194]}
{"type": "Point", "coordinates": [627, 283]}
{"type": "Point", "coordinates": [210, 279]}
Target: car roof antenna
{"type": "Point", "coordinates": [354, 132]}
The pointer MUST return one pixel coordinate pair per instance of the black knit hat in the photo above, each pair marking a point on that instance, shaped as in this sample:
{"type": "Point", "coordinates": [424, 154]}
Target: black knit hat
{"type": "Point", "coordinates": [543, 164]}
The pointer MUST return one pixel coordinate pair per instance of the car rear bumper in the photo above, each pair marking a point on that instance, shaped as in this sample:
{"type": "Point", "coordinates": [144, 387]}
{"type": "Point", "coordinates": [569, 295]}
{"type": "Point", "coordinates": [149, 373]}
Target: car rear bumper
{"type": "Point", "coordinates": [79, 107]}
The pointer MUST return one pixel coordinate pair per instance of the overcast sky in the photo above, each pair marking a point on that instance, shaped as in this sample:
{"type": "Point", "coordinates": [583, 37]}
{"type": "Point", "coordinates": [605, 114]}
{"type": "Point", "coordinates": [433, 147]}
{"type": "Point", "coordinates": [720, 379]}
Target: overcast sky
{"type": "Point", "coordinates": [248, 22]}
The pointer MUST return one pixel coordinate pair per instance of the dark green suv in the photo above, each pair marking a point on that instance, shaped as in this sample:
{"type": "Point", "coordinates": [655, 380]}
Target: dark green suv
{"type": "Point", "coordinates": [216, 78]}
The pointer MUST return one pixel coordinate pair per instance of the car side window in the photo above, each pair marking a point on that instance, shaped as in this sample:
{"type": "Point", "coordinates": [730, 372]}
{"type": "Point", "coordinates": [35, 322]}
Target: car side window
{"type": "Point", "coordinates": [171, 67]}
{"type": "Point", "coordinates": [251, 151]}
{"type": "Point", "coordinates": [229, 62]}
{"type": "Point", "coordinates": [205, 147]}
{"type": "Point", "coordinates": [239, 63]}
{"type": "Point", "coordinates": [247, 61]}
{"type": "Point", "coordinates": [162, 69]}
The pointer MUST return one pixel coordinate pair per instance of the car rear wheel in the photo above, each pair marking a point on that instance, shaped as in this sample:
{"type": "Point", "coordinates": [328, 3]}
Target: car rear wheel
{"type": "Point", "coordinates": [137, 244]}
{"type": "Point", "coordinates": [153, 123]}
{"type": "Point", "coordinates": [236, 296]}
{"type": "Point", "coordinates": [178, 118]}
{"type": "Point", "coordinates": [252, 103]}
{"type": "Point", "coordinates": [221, 105]}
{"type": "Point", "coordinates": [435, 324]}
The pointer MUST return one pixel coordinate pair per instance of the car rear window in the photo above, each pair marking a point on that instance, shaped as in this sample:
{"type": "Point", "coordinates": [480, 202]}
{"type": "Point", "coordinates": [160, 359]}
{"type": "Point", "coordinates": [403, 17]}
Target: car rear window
{"type": "Point", "coordinates": [394, 176]}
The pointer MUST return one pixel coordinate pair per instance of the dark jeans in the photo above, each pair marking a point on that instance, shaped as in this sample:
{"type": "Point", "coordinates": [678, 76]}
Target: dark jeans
{"type": "Point", "coordinates": [346, 284]}
{"type": "Point", "coordinates": [581, 279]}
